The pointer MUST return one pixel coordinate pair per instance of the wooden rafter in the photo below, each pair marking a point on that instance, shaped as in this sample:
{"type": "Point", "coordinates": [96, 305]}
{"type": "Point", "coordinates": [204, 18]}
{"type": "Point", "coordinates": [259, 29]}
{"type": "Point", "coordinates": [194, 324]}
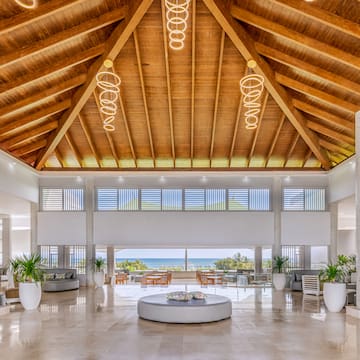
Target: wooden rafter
{"type": "Point", "coordinates": [168, 82]}
{"type": "Point", "coordinates": [313, 70]}
{"type": "Point", "coordinates": [59, 157]}
{"type": "Point", "coordinates": [217, 94]}
{"type": "Point", "coordinates": [296, 37]}
{"type": "Point", "coordinates": [146, 109]}
{"type": "Point", "coordinates": [193, 79]}
{"type": "Point", "coordinates": [257, 130]}
{"type": "Point", "coordinates": [49, 8]}
{"type": "Point", "coordinates": [275, 139]}
{"type": "Point", "coordinates": [107, 133]}
{"type": "Point", "coordinates": [292, 148]}
{"type": "Point", "coordinates": [307, 157]}
{"type": "Point", "coordinates": [336, 148]}
{"type": "Point", "coordinates": [321, 15]}
{"type": "Point", "coordinates": [113, 46]}
{"type": "Point", "coordinates": [32, 120]}
{"type": "Point", "coordinates": [321, 95]}
{"type": "Point", "coordinates": [62, 65]}
{"type": "Point", "coordinates": [62, 37]}
{"type": "Point", "coordinates": [330, 133]}
{"type": "Point", "coordinates": [15, 141]}
{"type": "Point", "coordinates": [324, 115]}
{"type": "Point", "coordinates": [44, 95]}
{"type": "Point", "coordinates": [246, 47]}
{"type": "Point", "coordinates": [28, 149]}
{"type": "Point", "coordinates": [89, 140]}
{"type": "Point", "coordinates": [73, 148]}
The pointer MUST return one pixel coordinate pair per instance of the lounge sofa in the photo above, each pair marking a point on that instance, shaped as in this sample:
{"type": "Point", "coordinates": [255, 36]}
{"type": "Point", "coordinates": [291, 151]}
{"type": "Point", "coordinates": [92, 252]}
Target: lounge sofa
{"type": "Point", "coordinates": [60, 280]}
{"type": "Point", "coordinates": [296, 278]}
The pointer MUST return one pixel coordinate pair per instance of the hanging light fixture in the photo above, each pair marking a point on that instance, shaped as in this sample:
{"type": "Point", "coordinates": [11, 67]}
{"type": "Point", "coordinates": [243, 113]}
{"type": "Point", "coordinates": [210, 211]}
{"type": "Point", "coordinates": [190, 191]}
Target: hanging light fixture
{"type": "Point", "coordinates": [109, 84]}
{"type": "Point", "coordinates": [177, 13]}
{"type": "Point", "coordinates": [27, 4]}
{"type": "Point", "coordinates": [251, 87]}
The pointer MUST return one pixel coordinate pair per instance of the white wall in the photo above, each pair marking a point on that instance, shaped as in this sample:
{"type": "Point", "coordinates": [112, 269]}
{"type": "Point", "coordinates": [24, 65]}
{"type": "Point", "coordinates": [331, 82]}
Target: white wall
{"type": "Point", "coordinates": [183, 229]}
{"type": "Point", "coordinates": [305, 228]}
{"type": "Point", "coordinates": [20, 242]}
{"type": "Point", "coordinates": [61, 228]}
{"type": "Point", "coordinates": [346, 242]}
{"type": "Point", "coordinates": [342, 181]}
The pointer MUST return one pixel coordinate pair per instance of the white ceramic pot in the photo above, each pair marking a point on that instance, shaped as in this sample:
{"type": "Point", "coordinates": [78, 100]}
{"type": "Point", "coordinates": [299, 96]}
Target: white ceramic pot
{"type": "Point", "coordinates": [99, 278]}
{"type": "Point", "coordinates": [279, 281]}
{"type": "Point", "coordinates": [30, 294]}
{"type": "Point", "coordinates": [334, 296]}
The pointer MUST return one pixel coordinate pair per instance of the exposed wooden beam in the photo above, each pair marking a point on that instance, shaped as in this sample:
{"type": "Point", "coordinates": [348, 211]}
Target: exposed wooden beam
{"type": "Point", "coordinates": [336, 148]}
{"type": "Point", "coordinates": [275, 139]}
{"type": "Point", "coordinates": [292, 147]}
{"type": "Point", "coordinates": [330, 133]}
{"type": "Point", "coordinates": [28, 149]}
{"type": "Point", "coordinates": [193, 79]}
{"type": "Point", "coordinates": [331, 119]}
{"type": "Point", "coordinates": [307, 157]}
{"type": "Point", "coordinates": [61, 37]}
{"type": "Point", "coordinates": [116, 42]}
{"type": "Point", "coordinates": [44, 95]}
{"type": "Point", "coordinates": [257, 130]}
{"type": "Point", "coordinates": [246, 47]}
{"type": "Point", "coordinates": [296, 37]}
{"type": "Point", "coordinates": [168, 82]}
{"type": "Point", "coordinates": [217, 94]}
{"type": "Point", "coordinates": [32, 120]}
{"type": "Point", "coordinates": [295, 63]}
{"type": "Point", "coordinates": [27, 136]}
{"type": "Point", "coordinates": [48, 9]}
{"type": "Point", "coordinates": [73, 148]}
{"type": "Point", "coordinates": [90, 140]}
{"type": "Point", "coordinates": [321, 15]}
{"type": "Point", "coordinates": [146, 109]}
{"type": "Point", "coordinates": [318, 94]}
{"type": "Point", "coordinates": [59, 157]}
{"type": "Point", "coordinates": [62, 65]}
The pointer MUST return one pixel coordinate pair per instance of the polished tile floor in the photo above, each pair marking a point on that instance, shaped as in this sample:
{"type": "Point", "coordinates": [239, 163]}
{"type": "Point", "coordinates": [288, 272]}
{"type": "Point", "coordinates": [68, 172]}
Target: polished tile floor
{"type": "Point", "coordinates": [103, 324]}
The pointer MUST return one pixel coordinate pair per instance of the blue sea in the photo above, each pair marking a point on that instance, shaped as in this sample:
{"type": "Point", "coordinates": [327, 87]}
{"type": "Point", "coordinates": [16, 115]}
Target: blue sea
{"type": "Point", "coordinates": [193, 263]}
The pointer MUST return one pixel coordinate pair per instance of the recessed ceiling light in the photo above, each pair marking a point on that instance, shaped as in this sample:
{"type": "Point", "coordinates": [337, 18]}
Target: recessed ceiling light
{"type": "Point", "coordinates": [204, 179]}
{"type": "Point", "coordinates": [287, 179]}
{"type": "Point", "coordinates": [79, 179]}
{"type": "Point", "coordinates": [245, 179]}
{"type": "Point", "coordinates": [121, 179]}
{"type": "Point", "coordinates": [162, 179]}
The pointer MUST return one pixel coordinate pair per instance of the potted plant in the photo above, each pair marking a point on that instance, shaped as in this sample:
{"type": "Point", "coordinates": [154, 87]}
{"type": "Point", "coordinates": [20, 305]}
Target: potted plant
{"type": "Point", "coordinates": [333, 276]}
{"type": "Point", "coordinates": [279, 278]}
{"type": "Point", "coordinates": [99, 275]}
{"type": "Point", "coordinates": [29, 273]}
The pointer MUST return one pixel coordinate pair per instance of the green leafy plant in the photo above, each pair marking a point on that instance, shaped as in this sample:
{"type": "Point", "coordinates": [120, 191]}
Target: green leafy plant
{"type": "Point", "coordinates": [348, 263]}
{"type": "Point", "coordinates": [99, 264]}
{"type": "Point", "coordinates": [279, 263]}
{"type": "Point", "coordinates": [28, 268]}
{"type": "Point", "coordinates": [332, 273]}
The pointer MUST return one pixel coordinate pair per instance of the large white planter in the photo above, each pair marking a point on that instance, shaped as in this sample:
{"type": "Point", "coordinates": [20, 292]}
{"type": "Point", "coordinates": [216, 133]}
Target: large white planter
{"type": "Point", "coordinates": [334, 296]}
{"type": "Point", "coordinates": [99, 278]}
{"type": "Point", "coordinates": [30, 294]}
{"type": "Point", "coordinates": [279, 281]}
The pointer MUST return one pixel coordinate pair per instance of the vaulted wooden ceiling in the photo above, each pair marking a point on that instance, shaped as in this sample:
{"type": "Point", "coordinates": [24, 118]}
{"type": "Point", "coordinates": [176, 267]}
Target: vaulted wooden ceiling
{"type": "Point", "coordinates": [179, 109]}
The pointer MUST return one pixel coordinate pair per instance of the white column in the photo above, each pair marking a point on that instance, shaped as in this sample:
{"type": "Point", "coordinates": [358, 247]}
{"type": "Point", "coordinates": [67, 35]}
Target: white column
{"type": "Point", "coordinates": [90, 247]}
{"type": "Point", "coordinates": [333, 231]}
{"type": "Point", "coordinates": [34, 209]}
{"type": "Point", "coordinates": [357, 204]}
{"type": "Point", "coordinates": [110, 259]}
{"type": "Point", "coordinates": [258, 260]}
{"type": "Point", "coordinates": [276, 205]}
{"type": "Point", "coordinates": [6, 239]}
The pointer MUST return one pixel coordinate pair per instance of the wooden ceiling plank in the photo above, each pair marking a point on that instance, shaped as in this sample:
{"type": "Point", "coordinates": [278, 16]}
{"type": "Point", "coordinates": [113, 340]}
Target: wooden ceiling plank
{"type": "Point", "coordinates": [32, 119]}
{"type": "Point", "coordinates": [168, 82]}
{"type": "Point", "coordinates": [336, 148]}
{"type": "Point", "coordinates": [321, 15]}
{"type": "Point", "coordinates": [116, 42]}
{"type": "Point", "coordinates": [49, 8]}
{"type": "Point", "coordinates": [59, 157]}
{"type": "Point", "coordinates": [73, 148]}
{"type": "Point", "coordinates": [128, 132]}
{"type": "Point", "coordinates": [29, 135]}
{"type": "Point", "coordinates": [193, 80]}
{"type": "Point", "coordinates": [296, 37]}
{"type": "Point", "coordinates": [313, 70]}
{"type": "Point", "coordinates": [318, 94]}
{"type": "Point", "coordinates": [217, 94]}
{"type": "Point", "coordinates": [63, 37]}
{"type": "Point", "coordinates": [62, 65]}
{"type": "Point", "coordinates": [330, 133]}
{"type": "Point", "coordinates": [89, 140]}
{"type": "Point", "coordinates": [307, 157]}
{"type": "Point", "coordinates": [28, 149]}
{"type": "Point", "coordinates": [257, 130]}
{"type": "Point", "coordinates": [44, 95]}
{"type": "Point", "coordinates": [324, 115]}
{"type": "Point", "coordinates": [292, 147]}
{"type": "Point", "coordinates": [246, 47]}
{"type": "Point", "coordinates": [275, 139]}
{"type": "Point", "coordinates": [114, 153]}
{"type": "Point", "coordinates": [146, 109]}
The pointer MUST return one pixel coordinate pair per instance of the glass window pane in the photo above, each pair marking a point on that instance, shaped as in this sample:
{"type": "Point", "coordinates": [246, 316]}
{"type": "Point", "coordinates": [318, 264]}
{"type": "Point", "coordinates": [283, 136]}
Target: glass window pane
{"type": "Point", "coordinates": [51, 199]}
{"type": "Point", "coordinates": [150, 199]}
{"type": "Point", "coordinates": [171, 199]}
{"type": "Point", "coordinates": [315, 199]}
{"type": "Point", "coordinates": [259, 199]}
{"type": "Point", "coordinates": [128, 199]}
{"type": "Point", "coordinates": [215, 199]}
{"type": "Point", "coordinates": [293, 199]}
{"type": "Point", "coordinates": [73, 199]}
{"type": "Point", "coordinates": [107, 199]}
{"type": "Point", "coordinates": [194, 199]}
{"type": "Point", "coordinates": [238, 199]}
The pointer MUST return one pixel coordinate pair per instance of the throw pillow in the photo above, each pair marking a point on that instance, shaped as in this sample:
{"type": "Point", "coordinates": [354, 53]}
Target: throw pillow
{"type": "Point", "coordinates": [179, 296]}
{"type": "Point", "coordinates": [68, 275]}
{"type": "Point", "coordinates": [198, 295]}
{"type": "Point", "coordinates": [59, 276]}
{"type": "Point", "coordinates": [49, 276]}
{"type": "Point", "coordinates": [298, 277]}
